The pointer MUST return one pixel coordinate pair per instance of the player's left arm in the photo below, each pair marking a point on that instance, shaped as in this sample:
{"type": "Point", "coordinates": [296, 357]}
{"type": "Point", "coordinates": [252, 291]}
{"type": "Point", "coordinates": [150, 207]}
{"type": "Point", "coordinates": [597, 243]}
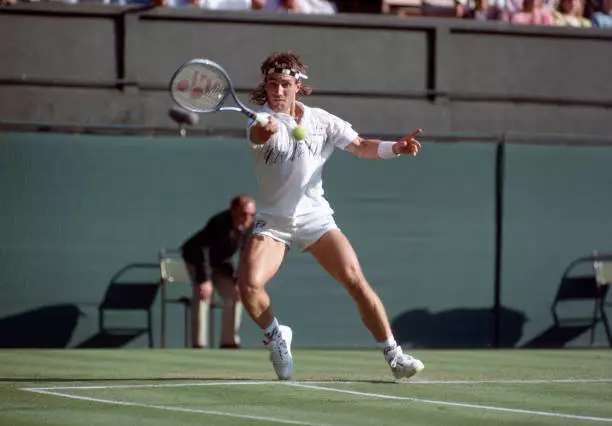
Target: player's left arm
{"type": "Point", "coordinates": [376, 149]}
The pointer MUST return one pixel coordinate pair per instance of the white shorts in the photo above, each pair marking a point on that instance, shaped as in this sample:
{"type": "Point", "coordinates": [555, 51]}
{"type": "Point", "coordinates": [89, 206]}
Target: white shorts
{"type": "Point", "coordinates": [303, 231]}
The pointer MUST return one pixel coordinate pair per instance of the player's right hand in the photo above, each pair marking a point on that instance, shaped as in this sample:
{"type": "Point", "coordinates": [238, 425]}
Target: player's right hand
{"type": "Point", "coordinates": [271, 127]}
{"type": "Point", "coordinates": [261, 133]}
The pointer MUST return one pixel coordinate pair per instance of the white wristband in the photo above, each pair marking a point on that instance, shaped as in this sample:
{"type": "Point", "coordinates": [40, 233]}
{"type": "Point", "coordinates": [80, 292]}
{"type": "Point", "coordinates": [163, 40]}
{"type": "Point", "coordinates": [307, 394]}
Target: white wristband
{"type": "Point", "coordinates": [385, 150]}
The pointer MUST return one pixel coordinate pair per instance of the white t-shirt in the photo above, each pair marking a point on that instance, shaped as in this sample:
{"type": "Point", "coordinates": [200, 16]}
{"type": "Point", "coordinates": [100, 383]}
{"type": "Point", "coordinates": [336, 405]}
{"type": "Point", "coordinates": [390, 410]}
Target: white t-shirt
{"type": "Point", "coordinates": [289, 172]}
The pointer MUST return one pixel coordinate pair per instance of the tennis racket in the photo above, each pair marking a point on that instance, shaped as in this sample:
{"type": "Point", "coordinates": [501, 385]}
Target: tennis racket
{"type": "Point", "coordinates": [203, 86]}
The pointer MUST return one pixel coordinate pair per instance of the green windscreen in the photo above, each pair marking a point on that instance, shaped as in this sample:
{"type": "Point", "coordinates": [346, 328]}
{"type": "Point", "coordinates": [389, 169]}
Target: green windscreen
{"type": "Point", "coordinates": [557, 208]}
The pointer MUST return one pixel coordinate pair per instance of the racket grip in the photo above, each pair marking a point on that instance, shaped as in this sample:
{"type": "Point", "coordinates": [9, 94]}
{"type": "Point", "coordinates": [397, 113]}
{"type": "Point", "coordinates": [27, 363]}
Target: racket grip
{"type": "Point", "coordinates": [261, 118]}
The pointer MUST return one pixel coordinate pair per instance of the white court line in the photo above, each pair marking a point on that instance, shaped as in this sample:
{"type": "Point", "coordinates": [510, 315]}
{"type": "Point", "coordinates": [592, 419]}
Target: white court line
{"type": "Point", "coordinates": [454, 404]}
{"type": "Point", "coordinates": [312, 385]}
{"type": "Point", "coordinates": [313, 382]}
{"type": "Point", "coordinates": [170, 408]}
{"type": "Point", "coordinates": [508, 381]}
{"type": "Point", "coordinates": [159, 385]}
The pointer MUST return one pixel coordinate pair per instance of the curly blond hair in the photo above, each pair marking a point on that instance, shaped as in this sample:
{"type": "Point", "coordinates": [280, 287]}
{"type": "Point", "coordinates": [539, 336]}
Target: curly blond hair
{"type": "Point", "coordinates": [279, 60]}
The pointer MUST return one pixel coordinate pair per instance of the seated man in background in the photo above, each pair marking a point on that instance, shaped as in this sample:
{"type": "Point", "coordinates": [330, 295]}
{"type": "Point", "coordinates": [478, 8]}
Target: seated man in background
{"type": "Point", "coordinates": [208, 256]}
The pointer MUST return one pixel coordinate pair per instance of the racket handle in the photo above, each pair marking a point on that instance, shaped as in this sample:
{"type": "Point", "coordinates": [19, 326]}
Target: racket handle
{"type": "Point", "coordinates": [261, 118]}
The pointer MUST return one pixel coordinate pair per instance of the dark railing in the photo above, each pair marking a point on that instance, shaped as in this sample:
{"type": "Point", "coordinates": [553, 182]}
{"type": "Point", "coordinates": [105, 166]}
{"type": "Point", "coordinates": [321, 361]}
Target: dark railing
{"type": "Point", "coordinates": [111, 64]}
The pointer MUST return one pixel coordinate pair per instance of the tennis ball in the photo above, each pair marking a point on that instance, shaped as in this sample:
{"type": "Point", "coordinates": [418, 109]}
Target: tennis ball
{"type": "Point", "coordinates": [299, 133]}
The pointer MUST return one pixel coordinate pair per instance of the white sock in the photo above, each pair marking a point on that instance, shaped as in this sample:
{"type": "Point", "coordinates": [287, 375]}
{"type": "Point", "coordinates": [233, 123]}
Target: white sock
{"type": "Point", "coordinates": [387, 345]}
{"type": "Point", "coordinates": [272, 330]}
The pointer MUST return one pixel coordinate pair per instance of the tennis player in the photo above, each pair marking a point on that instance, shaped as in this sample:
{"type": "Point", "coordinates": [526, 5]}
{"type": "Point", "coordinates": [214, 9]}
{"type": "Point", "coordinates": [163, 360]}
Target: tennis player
{"type": "Point", "coordinates": [292, 209]}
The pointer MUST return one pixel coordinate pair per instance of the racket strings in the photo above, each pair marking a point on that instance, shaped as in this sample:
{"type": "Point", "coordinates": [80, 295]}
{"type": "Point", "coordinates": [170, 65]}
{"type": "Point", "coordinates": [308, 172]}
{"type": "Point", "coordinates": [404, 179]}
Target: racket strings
{"type": "Point", "coordinates": [203, 86]}
{"type": "Point", "coordinates": [200, 87]}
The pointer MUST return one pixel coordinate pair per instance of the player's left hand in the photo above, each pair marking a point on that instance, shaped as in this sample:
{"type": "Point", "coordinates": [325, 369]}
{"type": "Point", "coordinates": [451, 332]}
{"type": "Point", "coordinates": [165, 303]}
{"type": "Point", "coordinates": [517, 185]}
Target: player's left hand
{"type": "Point", "coordinates": [408, 144]}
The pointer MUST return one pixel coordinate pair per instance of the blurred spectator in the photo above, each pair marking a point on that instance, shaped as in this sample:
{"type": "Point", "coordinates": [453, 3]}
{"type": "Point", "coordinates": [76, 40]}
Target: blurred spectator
{"type": "Point", "coordinates": [299, 6]}
{"type": "Point", "coordinates": [440, 8]}
{"type": "Point", "coordinates": [569, 13]}
{"type": "Point", "coordinates": [533, 13]}
{"type": "Point", "coordinates": [321, 7]}
{"type": "Point", "coordinates": [481, 11]}
{"type": "Point", "coordinates": [280, 6]}
{"type": "Point", "coordinates": [283, 6]}
{"type": "Point", "coordinates": [405, 8]}
{"type": "Point", "coordinates": [517, 5]}
{"type": "Point", "coordinates": [402, 7]}
{"type": "Point", "coordinates": [599, 12]}
{"type": "Point", "coordinates": [9, 2]}
{"type": "Point", "coordinates": [230, 4]}
{"type": "Point", "coordinates": [207, 4]}
{"type": "Point", "coordinates": [131, 2]}
{"type": "Point", "coordinates": [602, 18]}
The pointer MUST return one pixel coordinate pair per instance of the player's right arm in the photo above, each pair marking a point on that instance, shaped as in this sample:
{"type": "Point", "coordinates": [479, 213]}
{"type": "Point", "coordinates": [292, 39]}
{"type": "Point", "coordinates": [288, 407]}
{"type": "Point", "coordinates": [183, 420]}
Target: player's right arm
{"type": "Point", "coordinates": [261, 133]}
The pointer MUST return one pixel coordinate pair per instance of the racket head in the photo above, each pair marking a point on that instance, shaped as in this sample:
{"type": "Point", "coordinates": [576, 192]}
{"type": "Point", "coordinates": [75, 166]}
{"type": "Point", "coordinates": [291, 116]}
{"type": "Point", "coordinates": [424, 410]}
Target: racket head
{"type": "Point", "coordinates": [200, 85]}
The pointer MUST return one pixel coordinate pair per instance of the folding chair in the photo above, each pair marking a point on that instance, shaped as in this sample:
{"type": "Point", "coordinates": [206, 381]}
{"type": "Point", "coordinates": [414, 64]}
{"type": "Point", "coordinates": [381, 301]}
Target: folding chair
{"type": "Point", "coordinates": [174, 271]}
{"type": "Point", "coordinates": [593, 287]}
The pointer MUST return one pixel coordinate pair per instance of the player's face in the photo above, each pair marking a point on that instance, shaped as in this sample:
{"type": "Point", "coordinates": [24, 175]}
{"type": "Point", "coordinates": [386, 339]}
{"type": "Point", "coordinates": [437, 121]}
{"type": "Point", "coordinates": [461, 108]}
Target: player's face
{"type": "Point", "coordinates": [243, 215]}
{"type": "Point", "coordinates": [281, 91]}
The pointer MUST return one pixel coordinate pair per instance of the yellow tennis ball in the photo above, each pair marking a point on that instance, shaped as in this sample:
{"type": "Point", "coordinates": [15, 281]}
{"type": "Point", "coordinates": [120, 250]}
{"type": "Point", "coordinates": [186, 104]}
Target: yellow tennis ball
{"type": "Point", "coordinates": [299, 133]}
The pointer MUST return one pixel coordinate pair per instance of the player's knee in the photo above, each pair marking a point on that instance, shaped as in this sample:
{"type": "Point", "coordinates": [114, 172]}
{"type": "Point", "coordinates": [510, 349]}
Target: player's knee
{"type": "Point", "coordinates": [354, 281]}
{"type": "Point", "coordinates": [248, 288]}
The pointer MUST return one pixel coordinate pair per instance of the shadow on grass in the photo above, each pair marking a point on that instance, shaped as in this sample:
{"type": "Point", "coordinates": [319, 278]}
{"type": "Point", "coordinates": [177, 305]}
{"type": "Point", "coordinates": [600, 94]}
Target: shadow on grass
{"type": "Point", "coordinates": [458, 328]}
{"type": "Point", "coordinates": [44, 327]}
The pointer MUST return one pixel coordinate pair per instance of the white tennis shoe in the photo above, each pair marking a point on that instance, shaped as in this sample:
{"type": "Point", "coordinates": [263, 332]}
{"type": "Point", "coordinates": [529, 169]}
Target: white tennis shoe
{"type": "Point", "coordinates": [403, 365]}
{"type": "Point", "coordinates": [280, 352]}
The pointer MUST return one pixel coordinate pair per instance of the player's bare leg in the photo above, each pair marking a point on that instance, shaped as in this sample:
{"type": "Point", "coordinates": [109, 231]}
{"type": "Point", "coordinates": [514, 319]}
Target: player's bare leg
{"type": "Point", "coordinates": [335, 253]}
{"type": "Point", "coordinates": [259, 262]}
